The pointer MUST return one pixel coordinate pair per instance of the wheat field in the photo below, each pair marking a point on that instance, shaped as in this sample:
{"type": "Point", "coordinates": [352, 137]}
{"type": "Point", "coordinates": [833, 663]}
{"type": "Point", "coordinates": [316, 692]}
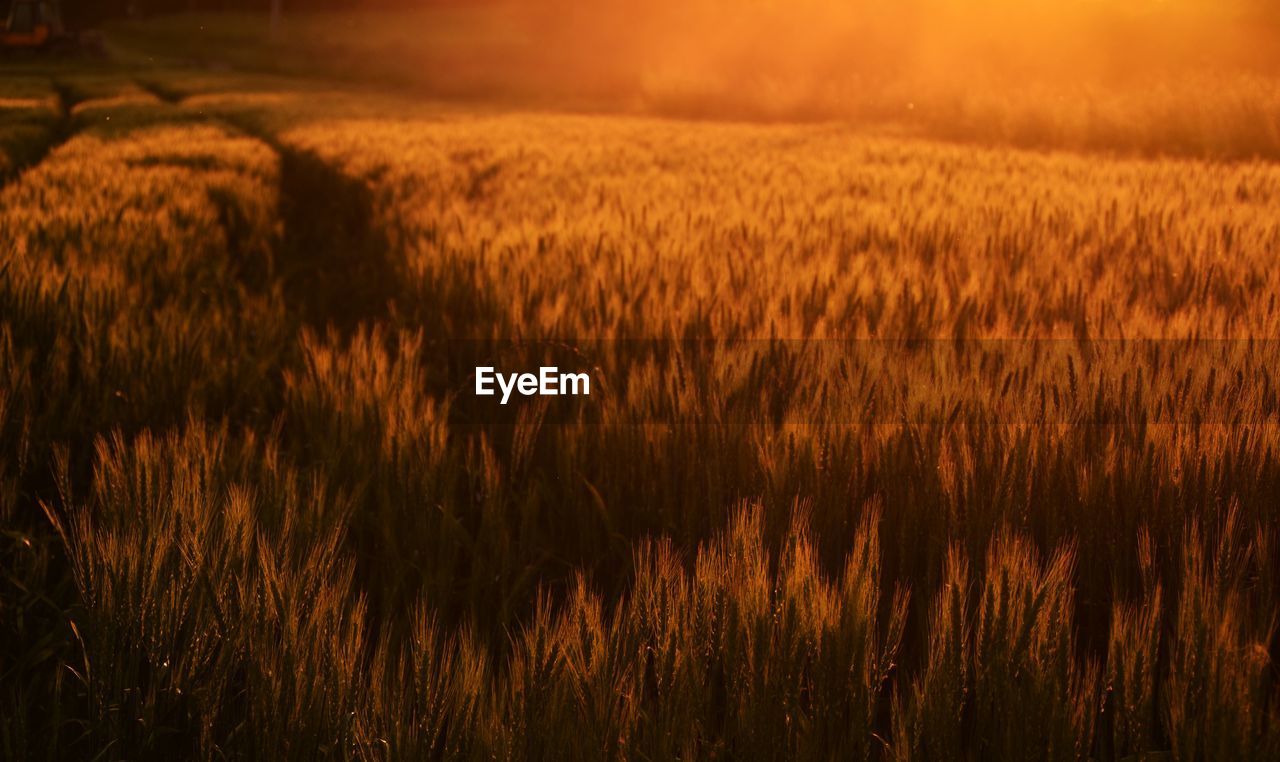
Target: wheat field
{"type": "Point", "coordinates": [250, 513]}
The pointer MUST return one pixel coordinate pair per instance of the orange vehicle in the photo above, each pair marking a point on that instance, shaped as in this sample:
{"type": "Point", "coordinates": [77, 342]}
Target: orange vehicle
{"type": "Point", "coordinates": [33, 26]}
{"type": "Point", "coordinates": [36, 26]}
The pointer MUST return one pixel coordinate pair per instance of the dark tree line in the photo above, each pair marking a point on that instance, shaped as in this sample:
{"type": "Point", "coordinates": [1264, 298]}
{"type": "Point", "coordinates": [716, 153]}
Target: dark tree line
{"type": "Point", "coordinates": [89, 12]}
{"type": "Point", "coordinates": [93, 11]}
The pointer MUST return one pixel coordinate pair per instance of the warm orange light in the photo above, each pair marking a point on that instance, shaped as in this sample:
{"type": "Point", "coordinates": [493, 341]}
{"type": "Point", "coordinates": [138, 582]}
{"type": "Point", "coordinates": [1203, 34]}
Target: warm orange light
{"type": "Point", "coordinates": [838, 58]}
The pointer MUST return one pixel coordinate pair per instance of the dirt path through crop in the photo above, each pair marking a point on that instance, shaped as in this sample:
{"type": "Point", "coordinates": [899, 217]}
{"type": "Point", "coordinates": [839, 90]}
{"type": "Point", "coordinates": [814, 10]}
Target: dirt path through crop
{"type": "Point", "coordinates": [59, 132]}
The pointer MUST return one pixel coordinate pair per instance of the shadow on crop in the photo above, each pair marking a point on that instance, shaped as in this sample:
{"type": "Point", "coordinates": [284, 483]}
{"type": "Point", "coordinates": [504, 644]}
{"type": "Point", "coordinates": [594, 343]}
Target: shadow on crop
{"type": "Point", "coordinates": [334, 260]}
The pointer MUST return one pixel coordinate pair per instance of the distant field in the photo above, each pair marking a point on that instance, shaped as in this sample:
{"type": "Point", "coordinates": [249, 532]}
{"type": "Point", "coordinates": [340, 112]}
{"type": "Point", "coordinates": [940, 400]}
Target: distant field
{"type": "Point", "coordinates": [455, 51]}
{"type": "Point", "coordinates": [246, 515]}
{"type": "Point", "coordinates": [1140, 92]}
